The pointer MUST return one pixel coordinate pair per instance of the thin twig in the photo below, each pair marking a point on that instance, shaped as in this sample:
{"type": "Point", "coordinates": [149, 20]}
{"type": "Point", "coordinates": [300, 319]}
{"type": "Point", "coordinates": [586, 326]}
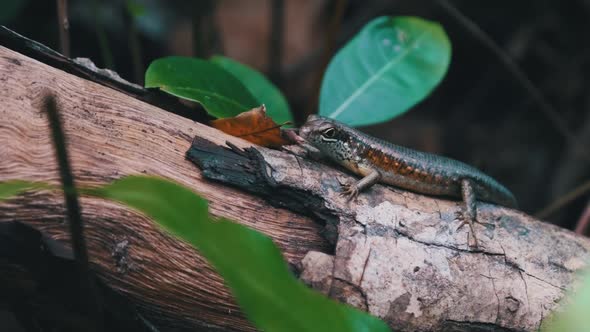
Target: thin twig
{"type": "Point", "coordinates": [276, 40]}
{"type": "Point", "coordinates": [103, 41]}
{"type": "Point", "coordinates": [202, 27]}
{"type": "Point", "coordinates": [520, 77]}
{"type": "Point", "coordinates": [73, 211]}
{"type": "Point", "coordinates": [563, 200]}
{"type": "Point", "coordinates": [134, 46]}
{"type": "Point", "coordinates": [331, 38]}
{"type": "Point", "coordinates": [584, 221]}
{"type": "Point", "coordinates": [64, 27]}
{"type": "Point", "coordinates": [262, 131]}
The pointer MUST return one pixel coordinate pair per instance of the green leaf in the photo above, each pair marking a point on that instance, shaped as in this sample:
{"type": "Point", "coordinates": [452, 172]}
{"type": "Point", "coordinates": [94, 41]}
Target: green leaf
{"type": "Point", "coordinates": [574, 316]}
{"type": "Point", "coordinates": [12, 188]}
{"type": "Point", "coordinates": [220, 93]}
{"type": "Point", "coordinates": [252, 266]}
{"type": "Point", "coordinates": [260, 87]}
{"type": "Point", "coordinates": [388, 67]}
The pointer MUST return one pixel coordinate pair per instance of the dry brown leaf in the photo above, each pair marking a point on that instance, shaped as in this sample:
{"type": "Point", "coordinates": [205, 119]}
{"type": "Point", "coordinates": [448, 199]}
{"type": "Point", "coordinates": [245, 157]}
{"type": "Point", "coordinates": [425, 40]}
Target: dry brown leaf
{"type": "Point", "coordinates": [254, 126]}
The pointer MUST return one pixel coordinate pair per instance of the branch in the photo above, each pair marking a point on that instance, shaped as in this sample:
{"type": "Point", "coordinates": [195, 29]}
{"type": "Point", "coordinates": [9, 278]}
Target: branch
{"type": "Point", "coordinates": [519, 76]}
{"type": "Point", "coordinates": [399, 256]}
{"type": "Point", "coordinates": [110, 135]}
{"type": "Point", "coordinates": [396, 254]}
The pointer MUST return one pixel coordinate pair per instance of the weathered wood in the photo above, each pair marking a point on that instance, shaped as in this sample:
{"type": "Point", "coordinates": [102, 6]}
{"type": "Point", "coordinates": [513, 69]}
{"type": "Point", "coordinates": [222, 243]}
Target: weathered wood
{"type": "Point", "coordinates": [39, 282]}
{"type": "Point", "coordinates": [111, 135]}
{"type": "Point", "coordinates": [399, 256]}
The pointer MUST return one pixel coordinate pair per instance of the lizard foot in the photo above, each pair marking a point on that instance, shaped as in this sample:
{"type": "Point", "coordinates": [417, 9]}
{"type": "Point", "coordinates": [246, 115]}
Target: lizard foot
{"type": "Point", "coordinates": [349, 190]}
{"type": "Point", "coordinates": [465, 220]}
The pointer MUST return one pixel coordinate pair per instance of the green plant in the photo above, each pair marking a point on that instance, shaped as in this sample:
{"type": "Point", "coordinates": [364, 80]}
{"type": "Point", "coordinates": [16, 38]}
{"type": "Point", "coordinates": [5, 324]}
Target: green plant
{"type": "Point", "coordinates": [260, 87]}
{"type": "Point", "coordinates": [15, 187]}
{"type": "Point", "coordinates": [220, 93]}
{"type": "Point", "coordinates": [392, 64]}
{"type": "Point", "coordinates": [388, 67]}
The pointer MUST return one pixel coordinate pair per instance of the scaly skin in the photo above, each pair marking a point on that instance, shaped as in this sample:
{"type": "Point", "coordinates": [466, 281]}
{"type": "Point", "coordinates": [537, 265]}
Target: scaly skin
{"type": "Point", "coordinates": [402, 167]}
{"type": "Point", "coordinates": [420, 172]}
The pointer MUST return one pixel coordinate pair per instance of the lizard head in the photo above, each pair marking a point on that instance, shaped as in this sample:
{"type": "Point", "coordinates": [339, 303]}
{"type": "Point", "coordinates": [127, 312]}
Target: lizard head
{"type": "Point", "coordinates": [328, 136]}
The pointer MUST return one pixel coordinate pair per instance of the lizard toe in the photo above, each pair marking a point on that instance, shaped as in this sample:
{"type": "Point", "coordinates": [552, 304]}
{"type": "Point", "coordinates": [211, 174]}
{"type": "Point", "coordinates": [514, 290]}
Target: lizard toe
{"type": "Point", "coordinates": [349, 190]}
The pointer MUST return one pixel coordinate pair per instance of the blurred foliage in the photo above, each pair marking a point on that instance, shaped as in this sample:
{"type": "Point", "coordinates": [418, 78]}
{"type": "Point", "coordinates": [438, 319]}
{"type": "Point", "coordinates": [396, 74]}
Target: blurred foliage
{"type": "Point", "coordinates": [249, 262]}
{"type": "Point", "coordinates": [574, 316]}
{"type": "Point", "coordinates": [388, 67]}
{"type": "Point", "coordinates": [15, 187]}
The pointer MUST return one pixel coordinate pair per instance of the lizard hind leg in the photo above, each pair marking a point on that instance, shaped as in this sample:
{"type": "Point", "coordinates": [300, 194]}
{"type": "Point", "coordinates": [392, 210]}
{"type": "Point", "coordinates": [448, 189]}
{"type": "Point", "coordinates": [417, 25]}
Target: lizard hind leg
{"type": "Point", "coordinates": [469, 215]}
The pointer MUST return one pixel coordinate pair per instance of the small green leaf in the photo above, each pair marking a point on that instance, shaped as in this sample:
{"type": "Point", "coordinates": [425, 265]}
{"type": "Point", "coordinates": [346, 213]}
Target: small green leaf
{"type": "Point", "coordinates": [260, 87]}
{"type": "Point", "coordinates": [388, 67]}
{"type": "Point", "coordinates": [252, 266]}
{"type": "Point", "coordinates": [12, 188]}
{"type": "Point", "coordinates": [574, 316]}
{"type": "Point", "coordinates": [220, 93]}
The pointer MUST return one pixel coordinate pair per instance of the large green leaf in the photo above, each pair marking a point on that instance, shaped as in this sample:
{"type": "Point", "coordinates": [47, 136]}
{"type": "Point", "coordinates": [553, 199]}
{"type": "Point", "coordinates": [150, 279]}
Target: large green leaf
{"type": "Point", "coordinates": [252, 266]}
{"type": "Point", "coordinates": [260, 87]}
{"type": "Point", "coordinates": [220, 93]}
{"type": "Point", "coordinates": [388, 67]}
{"type": "Point", "coordinates": [12, 188]}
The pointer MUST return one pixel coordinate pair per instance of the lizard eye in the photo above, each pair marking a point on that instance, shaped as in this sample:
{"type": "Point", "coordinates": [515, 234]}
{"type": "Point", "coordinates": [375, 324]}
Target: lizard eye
{"type": "Point", "coordinates": [329, 133]}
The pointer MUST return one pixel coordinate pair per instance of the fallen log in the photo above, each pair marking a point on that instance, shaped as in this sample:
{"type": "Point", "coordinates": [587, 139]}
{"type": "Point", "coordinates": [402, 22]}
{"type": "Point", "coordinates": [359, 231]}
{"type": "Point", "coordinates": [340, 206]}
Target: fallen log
{"type": "Point", "coordinates": [390, 252]}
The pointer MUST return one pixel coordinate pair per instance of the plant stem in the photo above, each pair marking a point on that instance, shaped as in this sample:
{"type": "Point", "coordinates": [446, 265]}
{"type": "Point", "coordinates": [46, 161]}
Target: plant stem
{"type": "Point", "coordinates": [518, 75]}
{"type": "Point", "coordinates": [64, 27]}
{"type": "Point", "coordinates": [275, 53]}
{"type": "Point", "coordinates": [73, 211]}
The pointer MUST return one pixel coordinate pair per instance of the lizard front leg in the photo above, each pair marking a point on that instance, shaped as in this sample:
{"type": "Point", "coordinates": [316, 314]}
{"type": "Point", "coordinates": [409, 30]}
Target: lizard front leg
{"type": "Point", "coordinates": [470, 213]}
{"type": "Point", "coordinates": [352, 190]}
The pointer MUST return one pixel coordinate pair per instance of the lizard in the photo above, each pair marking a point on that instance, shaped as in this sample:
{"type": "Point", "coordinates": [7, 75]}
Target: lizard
{"type": "Point", "coordinates": [378, 161]}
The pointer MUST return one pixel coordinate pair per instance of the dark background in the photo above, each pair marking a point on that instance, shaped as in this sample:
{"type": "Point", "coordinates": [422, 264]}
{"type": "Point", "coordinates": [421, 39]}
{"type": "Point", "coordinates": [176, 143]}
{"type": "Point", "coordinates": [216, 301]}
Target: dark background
{"type": "Point", "coordinates": [480, 113]}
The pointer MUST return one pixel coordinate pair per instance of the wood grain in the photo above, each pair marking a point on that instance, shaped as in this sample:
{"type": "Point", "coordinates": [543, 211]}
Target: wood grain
{"type": "Point", "coordinates": [111, 135]}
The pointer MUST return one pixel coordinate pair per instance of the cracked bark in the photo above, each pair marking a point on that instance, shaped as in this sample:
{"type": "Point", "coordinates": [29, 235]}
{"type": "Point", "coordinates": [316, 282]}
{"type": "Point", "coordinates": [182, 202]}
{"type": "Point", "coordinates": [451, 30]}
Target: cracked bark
{"type": "Point", "coordinates": [398, 254]}
{"type": "Point", "coordinates": [392, 252]}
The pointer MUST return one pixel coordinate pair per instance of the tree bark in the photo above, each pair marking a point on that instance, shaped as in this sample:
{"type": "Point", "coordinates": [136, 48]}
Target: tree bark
{"type": "Point", "coordinates": [398, 254]}
{"type": "Point", "coordinates": [111, 135]}
{"type": "Point", "coordinates": [391, 252]}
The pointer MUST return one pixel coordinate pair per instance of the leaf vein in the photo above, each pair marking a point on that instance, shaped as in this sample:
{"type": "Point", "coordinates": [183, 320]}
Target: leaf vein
{"type": "Point", "coordinates": [374, 78]}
